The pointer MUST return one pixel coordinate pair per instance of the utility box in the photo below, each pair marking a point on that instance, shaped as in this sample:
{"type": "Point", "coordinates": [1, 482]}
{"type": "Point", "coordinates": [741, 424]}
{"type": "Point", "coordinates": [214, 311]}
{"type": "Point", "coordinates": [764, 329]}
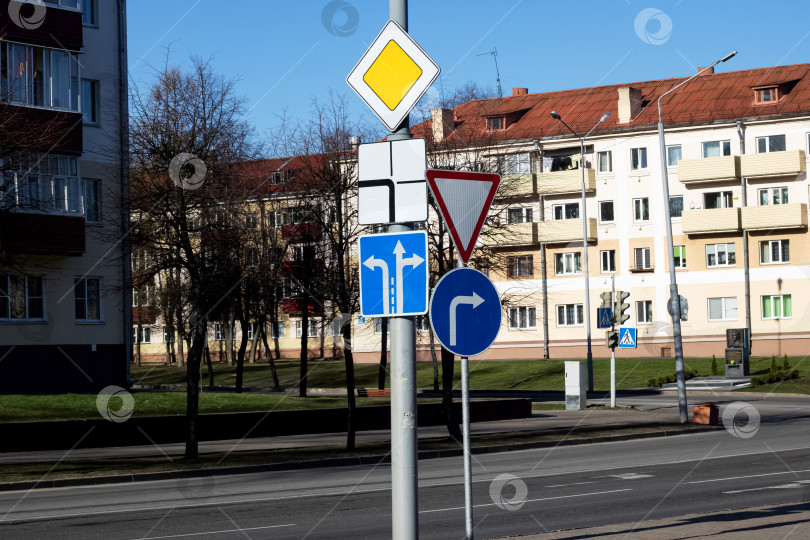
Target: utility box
{"type": "Point", "coordinates": [737, 362]}
{"type": "Point", "coordinates": [575, 384]}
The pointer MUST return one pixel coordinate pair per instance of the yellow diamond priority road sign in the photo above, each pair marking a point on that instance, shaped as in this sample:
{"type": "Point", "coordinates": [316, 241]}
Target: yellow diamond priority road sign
{"type": "Point", "coordinates": [393, 75]}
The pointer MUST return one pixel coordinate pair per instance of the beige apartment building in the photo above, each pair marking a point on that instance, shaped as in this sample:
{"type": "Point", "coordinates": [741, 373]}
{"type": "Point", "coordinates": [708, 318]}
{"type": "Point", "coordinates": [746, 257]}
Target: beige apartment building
{"type": "Point", "coordinates": [736, 159]}
{"type": "Point", "coordinates": [64, 320]}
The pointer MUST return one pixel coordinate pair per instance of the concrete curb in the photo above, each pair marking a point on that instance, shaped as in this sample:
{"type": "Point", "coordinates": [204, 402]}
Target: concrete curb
{"type": "Point", "coordinates": [343, 461]}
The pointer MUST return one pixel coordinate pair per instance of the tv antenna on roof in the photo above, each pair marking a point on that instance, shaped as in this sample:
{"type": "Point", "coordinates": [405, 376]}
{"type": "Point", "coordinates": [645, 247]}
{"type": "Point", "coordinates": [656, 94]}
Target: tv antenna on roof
{"type": "Point", "coordinates": [494, 54]}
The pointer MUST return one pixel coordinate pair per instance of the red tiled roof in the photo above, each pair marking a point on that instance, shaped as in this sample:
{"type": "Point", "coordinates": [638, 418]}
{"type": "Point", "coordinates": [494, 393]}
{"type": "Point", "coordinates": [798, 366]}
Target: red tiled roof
{"type": "Point", "coordinates": [706, 99]}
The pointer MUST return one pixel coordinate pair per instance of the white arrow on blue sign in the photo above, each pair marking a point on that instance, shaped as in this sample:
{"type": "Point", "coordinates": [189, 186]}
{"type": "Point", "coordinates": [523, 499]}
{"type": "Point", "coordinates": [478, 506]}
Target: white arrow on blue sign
{"type": "Point", "coordinates": [393, 274]}
{"type": "Point", "coordinates": [465, 312]}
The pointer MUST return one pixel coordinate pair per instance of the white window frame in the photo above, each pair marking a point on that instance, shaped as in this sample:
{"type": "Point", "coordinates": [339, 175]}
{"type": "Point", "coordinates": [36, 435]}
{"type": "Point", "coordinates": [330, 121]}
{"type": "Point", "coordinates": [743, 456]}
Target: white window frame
{"type": "Point", "coordinates": [312, 331]}
{"type": "Point", "coordinates": [768, 141]}
{"type": "Point", "coordinates": [769, 193]}
{"type": "Point", "coordinates": [680, 261]}
{"type": "Point", "coordinates": [85, 298]}
{"type": "Point", "coordinates": [723, 145]}
{"type": "Point", "coordinates": [525, 214]}
{"type": "Point", "coordinates": [562, 209]}
{"type": "Point", "coordinates": [168, 335]}
{"type": "Point", "coordinates": [613, 209]}
{"type": "Point", "coordinates": [515, 164]}
{"type": "Point", "coordinates": [726, 199]}
{"type": "Point", "coordinates": [782, 244]}
{"type": "Point", "coordinates": [725, 307]}
{"type": "Point", "coordinates": [671, 214]}
{"type": "Point", "coordinates": [716, 250]}
{"type": "Point", "coordinates": [27, 297]}
{"type": "Point", "coordinates": [646, 258]}
{"type": "Point", "coordinates": [608, 259]}
{"type": "Point", "coordinates": [568, 259]}
{"type": "Point", "coordinates": [671, 148]}
{"type": "Point", "coordinates": [24, 88]}
{"type": "Point", "coordinates": [638, 159]}
{"type": "Point", "coordinates": [644, 312]}
{"type": "Point", "coordinates": [638, 210]}
{"type": "Point", "coordinates": [773, 299]}
{"type": "Point", "coordinates": [569, 311]}
{"type": "Point", "coordinates": [277, 330]}
{"type": "Point", "coordinates": [146, 335]}
{"type": "Point", "coordinates": [609, 155]}
{"type": "Point", "coordinates": [520, 318]}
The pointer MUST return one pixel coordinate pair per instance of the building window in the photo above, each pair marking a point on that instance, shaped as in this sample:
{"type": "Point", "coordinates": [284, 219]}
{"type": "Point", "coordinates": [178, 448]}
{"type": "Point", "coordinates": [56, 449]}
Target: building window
{"type": "Point", "coordinates": [250, 221]}
{"type": "Point", "coordinates": [777, 306]}
{"type": "Point", "coordinates": [638, 159]}
{"type": "Point", "coordinates": [642, 258]}
{"type": "Point", "coordinates": [569, 315]}
{"type": "Point", "coordinates": [21, 298]}
{"type": "Point", "coordinates": [219, 332]}
{"type": "Point", "coordinates": [604, 161]}
{"type": "Point", "coordinates": [253, 327]}
{"type": "Point", "coordinates": [717, 199]}
{"type": "Point", "coordinates": [720, 255]}
{"type": "Point", "coordinates": [87, 296]}
{"type": "Point", "coordinates": [378, 326]}
{"type": "Point", "coordinates": [90, 101]}
{"type": "Point", "coordinates": [606, 212]}
{"type": "Point", "coordinates": [520, 215]}
{"type": "Point", "coordinates": [499, 122]}
{"type": "Point", "coordinates": [277, 330]}
{"type": "Point", "coordinates": [89, 13]}
{"type": "Point", "coordinates": [312, 328]}
{"type": "Point", "coordinates": [774, 251]}
{"type": "Point", "coordinates": [777, 195]}
{"type": "Point", "coordinates": [641, 209]}
{"type": "Point", "coordinates": [68, 4]}
{"type": "Point", "coordinates": [142, 296]}
{"type": "Point", "coordinates": [723, 309]}
{"type": "Point", "coordinates": [674, 155]}
{"type": "Point", "coordinates": [49, 183]}
{"type": "Point", "coordinates": [716, 148]}
{"type": "Point", "coordinates": [512, 164]}
{"type": "Point", "coordinates": [565, 211]}
{"type": "Point", "coordinates": [168, 335]}
{"type": "Point", "coordinates": [520, 266]}
{"type": "Point", "coordinates": [608, 261]}
{"type": "Point", "coordinates": [680, 256]}
{"type": "Point", "coordinates": [92, 202]}
{"type": "Point", "coordinates": [145, 337]}
{"type": "Point", "coordinates": [766, 95]}
{"type": "Point", "coordinates": [676, 206]}
{"type": "Point", "coordinates": [567, 263]}
{"type": "Point", "coordinates": [40, 77]}
{"type": "Point", "coordinates": [772, 143]}
{"type": "Point", "coordinates": [522, 318]}
{"type": "Point", "coordinates": [644, 313]}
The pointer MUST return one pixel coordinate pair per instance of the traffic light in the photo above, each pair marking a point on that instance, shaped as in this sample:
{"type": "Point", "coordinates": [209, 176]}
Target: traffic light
{"type": "Point", "coordinates": [607, 299]}
{"type": "Point", "coordinates": [611, 339]}
{"type": "Point", "coordinates": [622, 306]}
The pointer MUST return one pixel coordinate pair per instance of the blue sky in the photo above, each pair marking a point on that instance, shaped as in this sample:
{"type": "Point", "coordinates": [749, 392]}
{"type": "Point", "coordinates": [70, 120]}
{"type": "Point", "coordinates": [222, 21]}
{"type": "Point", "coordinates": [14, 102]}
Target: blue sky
{"type": "Point", "coordinates": [286, 53]}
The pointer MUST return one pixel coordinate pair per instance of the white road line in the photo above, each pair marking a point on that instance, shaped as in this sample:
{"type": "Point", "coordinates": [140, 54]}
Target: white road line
{"type": "Point", "coordinates": [527, 500]}
{"type": "Point", "coordinates": [747, 476]}
{"type": "Point", "coordinates": [243, 529]}
{"type": "Point", "coordinates": [574, 484]}
{"type": "Point", "coordinates": [792, 485]}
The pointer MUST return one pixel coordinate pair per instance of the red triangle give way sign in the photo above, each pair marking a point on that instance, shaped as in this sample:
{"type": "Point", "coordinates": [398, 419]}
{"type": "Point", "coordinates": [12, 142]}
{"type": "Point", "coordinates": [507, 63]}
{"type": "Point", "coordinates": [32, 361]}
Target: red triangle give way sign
{"type": "Point", "coordinates": [464, 199]}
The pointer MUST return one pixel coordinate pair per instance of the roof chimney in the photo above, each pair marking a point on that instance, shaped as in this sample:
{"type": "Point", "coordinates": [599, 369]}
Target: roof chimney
{"type": "Point", "coordinates": [709, 71]}
{"type": "Point", "coordinates": [443, 123]}
{"type": "Point", "coordinates": [354, 142]}
{"type": "Point", "coordinates": [629, 104]}
{"type": "Point", "coordinates": [520, 91]}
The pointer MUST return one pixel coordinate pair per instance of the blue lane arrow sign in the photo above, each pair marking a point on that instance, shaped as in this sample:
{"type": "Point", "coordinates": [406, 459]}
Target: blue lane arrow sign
{"type": "Point", "coordinates": [393, 274]}
{"type": "Point", "coordinates": [465, 312]}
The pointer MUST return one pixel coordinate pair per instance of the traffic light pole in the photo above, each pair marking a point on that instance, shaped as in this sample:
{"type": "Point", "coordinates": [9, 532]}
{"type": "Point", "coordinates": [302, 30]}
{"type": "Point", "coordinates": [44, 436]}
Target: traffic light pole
{"type": "Point", "coordinates": [613, 349]}
{"type": "Point", "coordinates": [404, 478]}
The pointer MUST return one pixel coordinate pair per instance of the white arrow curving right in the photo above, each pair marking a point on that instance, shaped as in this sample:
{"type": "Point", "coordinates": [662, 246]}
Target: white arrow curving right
{"type": "Point", "coordinates": [474, 300]}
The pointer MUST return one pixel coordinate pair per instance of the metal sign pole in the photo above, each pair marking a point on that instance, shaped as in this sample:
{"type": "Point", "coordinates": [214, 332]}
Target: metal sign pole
{"type": "Point", "coordinates": [404, 484]}
{"type": "Point", "coordinates": [465, 435]}
{"type": "Point", "coordinates": [613, 349]}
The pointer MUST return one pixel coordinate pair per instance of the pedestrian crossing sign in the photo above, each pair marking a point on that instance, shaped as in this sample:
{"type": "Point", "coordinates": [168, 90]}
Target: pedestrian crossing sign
{"type": "Point", "coordinates": [604, 317]}
{"type": "Point", "coordinates": [627, 338]}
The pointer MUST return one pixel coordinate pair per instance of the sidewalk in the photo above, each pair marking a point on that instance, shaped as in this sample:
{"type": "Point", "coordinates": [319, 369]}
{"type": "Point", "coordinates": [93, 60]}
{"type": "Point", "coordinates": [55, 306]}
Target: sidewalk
{"type": "Point", "coordinates": [785, 521]}
{"type": "Point", "coordinates": [540, 420]}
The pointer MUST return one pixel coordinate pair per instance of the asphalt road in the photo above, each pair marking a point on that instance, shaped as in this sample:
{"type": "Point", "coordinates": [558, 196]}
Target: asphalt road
{"type": "Point", "coordinates": [759, 463]}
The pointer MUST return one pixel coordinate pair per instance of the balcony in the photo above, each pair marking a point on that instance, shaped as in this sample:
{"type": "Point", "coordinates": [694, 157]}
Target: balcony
{"type": "Point", "coordinates": [564, 230]}
{"type": "Point", "coordinates": [513, 234]}
{"type": "Point", "coordinates": [294, 306]}
{"type": "Point", "coordinates": [715, 169]}
{"type": "Point", "coordinates": [302, 231]}
{"type": "Point", "coordinates": [565, 182]}
{"type": "Point", "coordinates": [519, 185]}
{"type": "Point", "coordinates": [713, 220]}
{"type": "Point", "coordinates": [777, 216]}
{"type": "Point", "coordinates": [42, 234]}
{"type": "Point", "coordinates": [146, 314]}
{"type": "Point", "coordinates": [773, 164]}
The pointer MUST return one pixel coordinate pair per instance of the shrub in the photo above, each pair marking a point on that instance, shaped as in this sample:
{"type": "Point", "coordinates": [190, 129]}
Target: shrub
{"type": "Point", "coordinates": [652, 382]}
{"type": "Point", "coordinates": [714, 365]}
{"type": "Point", "coordinates": [794, 374]}
{"type": "Point", "coordinates": [786, 364]}
{"type": "Point", "coordinates": [671, 378]}
{"type": "Point", "coordinates": [773, 364]}
{"type": "Point", "coordinates": [662, 380]}
{"type": "Point", "coordinates": [756, 381]}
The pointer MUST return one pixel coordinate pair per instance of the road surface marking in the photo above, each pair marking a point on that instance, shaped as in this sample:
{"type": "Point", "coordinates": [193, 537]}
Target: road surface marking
{"type": "Point", "coordinates": [747, 476]}
{"type": "Point", "coordinates": [243, 529]}
{"type": "Point", "coordinates": [527, 500]}
{"type": "Point", "coordinates": [574, 484]}
{"type": "Point", "coordinates": [792, 485]}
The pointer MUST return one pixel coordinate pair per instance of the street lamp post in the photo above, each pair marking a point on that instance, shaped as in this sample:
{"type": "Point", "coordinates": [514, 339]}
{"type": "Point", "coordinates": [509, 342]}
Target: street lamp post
{"type": "Point", "coordinates": [674, 297]}
{"type": "Point", "coordinates": [556, 116]}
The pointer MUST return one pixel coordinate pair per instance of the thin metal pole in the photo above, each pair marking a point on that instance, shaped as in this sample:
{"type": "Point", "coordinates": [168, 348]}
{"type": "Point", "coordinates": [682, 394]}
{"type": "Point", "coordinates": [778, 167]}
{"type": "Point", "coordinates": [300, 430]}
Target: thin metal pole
{"type": "Point", "coordinates": [674, 297]}
{"type": "Point", "coordinates": [465, 435]}
{"type": "Point", "coordinates": [404, 473]}
{"type": "Point", "coordinates": [585, 264]}
{"type": "Point", "coordinates": [613, 349]}
{"type": "Point", "coordinates": [746, 263]}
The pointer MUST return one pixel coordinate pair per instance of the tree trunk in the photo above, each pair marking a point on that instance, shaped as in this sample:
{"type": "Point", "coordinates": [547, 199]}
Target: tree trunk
{"type": "Point", "coordinates": [240, 357]}
{"type": "Point", "coordinates": [208, 363]}
{"type": "Point", "coordinates": [254, 345]}
{"type": "Point", "coordinates": [138, 330]}
{"type": "Point", "coordinates": [350, 391]}
{"type": "Point", "coordinates": [179, 322]}
{"type": "Point", "coordinates": [435, 360]}
{"type": "Point", "coordinates": [302, 380]}
{"type": "Point", "coordinates": [448, 360]}
{"type": "Point", "coordinates": [383, 354]}
{"type": "Point", "coordinates": [193, 390]}
{"type": "Point", "coordinates": [276, 384]}
{"type": "Point", "coordinates": [229, 338]}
